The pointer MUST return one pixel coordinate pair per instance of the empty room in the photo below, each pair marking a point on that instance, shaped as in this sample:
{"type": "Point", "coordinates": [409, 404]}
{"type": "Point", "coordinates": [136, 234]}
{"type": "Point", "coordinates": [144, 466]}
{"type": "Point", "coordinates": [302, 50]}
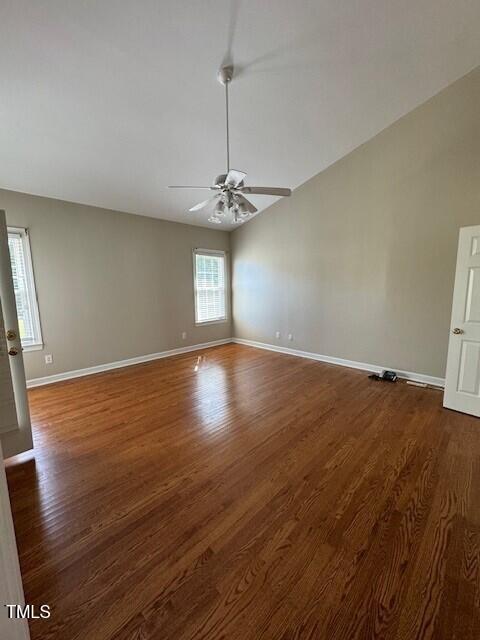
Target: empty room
{"type": "Point", "coordinates": [240, 320]}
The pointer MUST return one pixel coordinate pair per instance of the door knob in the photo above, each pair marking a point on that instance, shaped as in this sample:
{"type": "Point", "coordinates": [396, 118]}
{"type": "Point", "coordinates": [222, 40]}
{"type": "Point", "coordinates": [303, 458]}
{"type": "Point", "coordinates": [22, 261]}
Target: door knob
{"type": "Point", "coordinates": [11, 334]}
{"type": "Point", "coordinates": [458, 331]}
{"type": "Point", "coordinates": [12, 351]}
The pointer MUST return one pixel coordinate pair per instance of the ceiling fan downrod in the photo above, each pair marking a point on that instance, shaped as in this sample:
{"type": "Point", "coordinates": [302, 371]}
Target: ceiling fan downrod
{"type": "Point", "coordinates": [224, 76]}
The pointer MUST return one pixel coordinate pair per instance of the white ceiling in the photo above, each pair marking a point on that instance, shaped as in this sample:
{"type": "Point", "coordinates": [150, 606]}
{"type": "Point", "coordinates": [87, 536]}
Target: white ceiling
{"type": "Point", "coordinates": [106, 103]}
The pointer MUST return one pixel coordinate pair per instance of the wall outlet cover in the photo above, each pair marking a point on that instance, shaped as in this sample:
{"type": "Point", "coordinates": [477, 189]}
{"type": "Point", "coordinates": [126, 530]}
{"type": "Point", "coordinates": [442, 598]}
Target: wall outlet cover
{"type": "Point", "coordinates": [49, 359]}
{"type": "Point", "coordinates": [277, 334]}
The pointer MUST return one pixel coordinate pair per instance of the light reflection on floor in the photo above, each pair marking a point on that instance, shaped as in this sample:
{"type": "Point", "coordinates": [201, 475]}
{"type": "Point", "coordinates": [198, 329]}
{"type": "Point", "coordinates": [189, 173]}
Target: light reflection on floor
{"type": "Point", "coordinates": [211, 394]}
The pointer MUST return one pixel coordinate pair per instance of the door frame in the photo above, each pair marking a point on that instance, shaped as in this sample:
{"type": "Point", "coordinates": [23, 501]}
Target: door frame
{"type": "Point", "coordinates": [11, 588]}
{"type": "Point", "coordinates": [20, 439]}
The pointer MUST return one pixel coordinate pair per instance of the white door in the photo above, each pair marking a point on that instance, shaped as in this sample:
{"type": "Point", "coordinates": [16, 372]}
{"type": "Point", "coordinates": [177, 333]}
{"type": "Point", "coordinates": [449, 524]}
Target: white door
{"type": "Point", "coordinates": [11, 591]}
{"type": "Point", "coordinates": [462, 383]}
{"type": "Point", "coordinates": [15, 435]}
{"type": "Point", "coordinates": [8, 410]}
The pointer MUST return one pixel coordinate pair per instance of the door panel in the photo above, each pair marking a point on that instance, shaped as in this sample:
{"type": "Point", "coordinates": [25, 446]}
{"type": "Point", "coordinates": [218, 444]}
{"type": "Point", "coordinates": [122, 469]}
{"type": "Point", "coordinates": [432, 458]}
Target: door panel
{"type": "Point", "coordinates": [469, 378]}
{"type": "Point", "coordinates": [462, 383]}
{"type": "Point", "coordinates": [473, 295]}
{"type": "Point", "coordinates": [18, 439]}
{"type": "Point", "coordinates": [476, 245]}
{"type": "Point", "coordinates": [8, 411]}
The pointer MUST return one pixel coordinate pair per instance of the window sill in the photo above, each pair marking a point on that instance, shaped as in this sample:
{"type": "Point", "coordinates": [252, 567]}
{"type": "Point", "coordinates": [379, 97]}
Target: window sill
{"type": "Point", "coordinates": [33, 347]}
{"type": "Point", "coordinates": [207, 322]}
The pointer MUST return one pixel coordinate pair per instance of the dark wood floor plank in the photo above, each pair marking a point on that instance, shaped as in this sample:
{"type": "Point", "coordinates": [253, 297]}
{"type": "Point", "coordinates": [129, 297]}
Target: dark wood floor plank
{"type": "Point", "coordinates": [237, 493]}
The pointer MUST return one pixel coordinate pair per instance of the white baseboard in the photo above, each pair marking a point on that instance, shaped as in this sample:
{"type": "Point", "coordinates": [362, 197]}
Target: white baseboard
{"type": "Point", "coordinates": [353, 364]}
{"type": "Point", "coordinates": [78, 373]}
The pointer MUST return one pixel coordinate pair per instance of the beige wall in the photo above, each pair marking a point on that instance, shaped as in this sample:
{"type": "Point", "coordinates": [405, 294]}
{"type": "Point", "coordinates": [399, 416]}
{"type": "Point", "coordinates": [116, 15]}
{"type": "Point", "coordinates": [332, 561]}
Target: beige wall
{"type": "Point", "coordinates": [359, 263]}
{"type": "Point", "coordinates": [110, 285]}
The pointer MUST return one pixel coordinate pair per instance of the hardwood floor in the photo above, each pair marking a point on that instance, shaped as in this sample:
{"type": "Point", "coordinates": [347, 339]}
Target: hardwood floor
{"type": "Point", "coordinates": [241, 494]}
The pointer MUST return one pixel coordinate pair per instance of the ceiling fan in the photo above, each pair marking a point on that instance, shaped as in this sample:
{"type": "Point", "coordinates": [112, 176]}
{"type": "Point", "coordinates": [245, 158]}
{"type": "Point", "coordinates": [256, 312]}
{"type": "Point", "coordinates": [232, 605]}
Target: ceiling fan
{"type": "Point", "coordinates": [230, 189]}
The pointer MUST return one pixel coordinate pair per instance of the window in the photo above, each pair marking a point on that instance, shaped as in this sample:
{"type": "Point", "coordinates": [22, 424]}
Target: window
{"type": "Point", "coordinates": [210, 275]}
{"type": "Point", "coordinates": [24, 287]}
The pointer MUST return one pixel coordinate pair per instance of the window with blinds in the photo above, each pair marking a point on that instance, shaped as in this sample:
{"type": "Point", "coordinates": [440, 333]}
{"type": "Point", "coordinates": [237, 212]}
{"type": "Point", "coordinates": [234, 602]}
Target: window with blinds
{"type": "Point", "coordinates": [24, 288]}
{"type": "Point", "coordinates": [210, 286]}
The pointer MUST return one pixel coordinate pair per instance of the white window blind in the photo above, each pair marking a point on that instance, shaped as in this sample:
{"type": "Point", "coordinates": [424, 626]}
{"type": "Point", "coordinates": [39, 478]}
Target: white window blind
{"type": "Point", "coordinates": [24, 287]}
{"type": "Point", "coordinates": [210, 286]}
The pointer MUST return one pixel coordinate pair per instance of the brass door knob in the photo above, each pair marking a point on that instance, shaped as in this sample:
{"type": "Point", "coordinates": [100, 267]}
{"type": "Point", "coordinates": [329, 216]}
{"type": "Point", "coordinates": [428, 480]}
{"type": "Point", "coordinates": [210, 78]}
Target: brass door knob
{"type": "Point", "coordinates": [11, 334]}
{"type": "Point", "coordinates": [458, 331]}
{"type": "Point", "coordinates": [13, 351]}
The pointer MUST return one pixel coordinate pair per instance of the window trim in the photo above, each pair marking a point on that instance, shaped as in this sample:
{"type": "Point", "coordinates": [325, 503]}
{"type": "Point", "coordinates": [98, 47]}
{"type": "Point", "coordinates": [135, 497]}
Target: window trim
{"type": "Point", "coordinates": [27, 253]}
{"type": "Point", "coordinates": [211, 252]}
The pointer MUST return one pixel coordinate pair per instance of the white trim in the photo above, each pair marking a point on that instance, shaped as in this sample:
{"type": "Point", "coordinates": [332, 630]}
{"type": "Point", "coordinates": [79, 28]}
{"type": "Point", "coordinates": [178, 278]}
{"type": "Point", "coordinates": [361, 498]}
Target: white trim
{"type": "Point", "coordinates": [31, 289]}
{"type": "Point", "coordinates": [226, 272]}
{"type": "Point", "coordinates": [78, 373]}
{"type": "Point", "coordinates": [33, 347]}
{"type": "Point", "coordinates": [206, 322]}
{"type": "Point", "coordinates": [213, 252]}
{"type": "Point", "coordinates": [353, 364]}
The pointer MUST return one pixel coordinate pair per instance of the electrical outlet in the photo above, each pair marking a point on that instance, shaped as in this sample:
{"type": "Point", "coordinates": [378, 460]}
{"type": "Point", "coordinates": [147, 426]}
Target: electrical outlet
{"type": "Point", "coordinates": [277, 334]}
{"type": "Point", "coordinates": [184, 335]}
{"type": "Point", "coordinates": [49, 359]}
{"type": "Point", "coordinates": [290, 336]}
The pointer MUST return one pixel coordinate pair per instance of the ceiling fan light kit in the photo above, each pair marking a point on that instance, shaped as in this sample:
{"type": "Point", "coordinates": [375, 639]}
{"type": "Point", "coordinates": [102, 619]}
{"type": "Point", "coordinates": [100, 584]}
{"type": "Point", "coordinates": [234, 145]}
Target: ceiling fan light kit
{"type": "Point", "coordinates": [231, 205]}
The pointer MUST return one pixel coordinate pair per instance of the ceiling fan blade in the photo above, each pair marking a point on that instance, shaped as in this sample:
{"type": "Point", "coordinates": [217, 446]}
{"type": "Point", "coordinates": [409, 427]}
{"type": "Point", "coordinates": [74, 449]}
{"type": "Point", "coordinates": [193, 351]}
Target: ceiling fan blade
{"type": "Point", "coordinates": [203, 204]}
{"type": "Point", "coordinates": [266, 191]}
{"type": "Point", "coordinates": [246, 203]}
{"type": "Point", "coordinates": [175, 186]}
{"type": "Point", "coordinates": [234, 178]}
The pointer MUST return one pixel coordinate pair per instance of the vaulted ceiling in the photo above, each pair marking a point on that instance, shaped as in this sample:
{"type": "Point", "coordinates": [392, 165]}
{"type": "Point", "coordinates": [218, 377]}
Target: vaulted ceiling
{"type": "Point", "coordinates": [106, 103]}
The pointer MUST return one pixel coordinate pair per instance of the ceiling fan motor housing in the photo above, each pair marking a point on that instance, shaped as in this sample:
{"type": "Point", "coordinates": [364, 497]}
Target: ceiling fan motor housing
{"type": "Point", "coordinates": [220, 181]}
